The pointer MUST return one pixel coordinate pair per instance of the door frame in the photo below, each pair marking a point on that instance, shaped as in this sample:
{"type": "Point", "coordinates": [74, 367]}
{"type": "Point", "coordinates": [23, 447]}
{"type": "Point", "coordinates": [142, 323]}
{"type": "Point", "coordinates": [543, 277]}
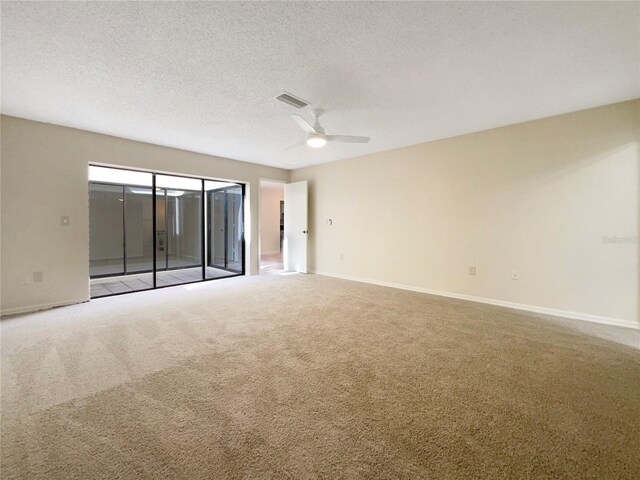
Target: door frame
{"type": "Point", "coordinates": [260, 180]}
{"type": "Point", "coordinates": [209, 195]}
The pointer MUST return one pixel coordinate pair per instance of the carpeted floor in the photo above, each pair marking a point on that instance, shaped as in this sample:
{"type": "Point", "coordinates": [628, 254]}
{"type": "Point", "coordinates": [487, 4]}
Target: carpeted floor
{"type": "Point", "coordinates": [304, 377]}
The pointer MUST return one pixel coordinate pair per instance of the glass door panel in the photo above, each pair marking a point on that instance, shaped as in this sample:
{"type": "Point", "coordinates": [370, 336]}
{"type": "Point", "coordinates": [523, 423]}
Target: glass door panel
{"type": "Point", "coordinates": [217, 242]}
{"type": "Point", "coordinates": [182, 229]}
{"type": "Point", "coordinates": [235, 233]}
{"type": "Point", "coordinates": [161, 229]}
{"type": "Point", "coordinates": [106, 230]}
{"type": "Point", "coordinates": [138, 229]}
{"type": "Point", "coordinates": [225, 229]}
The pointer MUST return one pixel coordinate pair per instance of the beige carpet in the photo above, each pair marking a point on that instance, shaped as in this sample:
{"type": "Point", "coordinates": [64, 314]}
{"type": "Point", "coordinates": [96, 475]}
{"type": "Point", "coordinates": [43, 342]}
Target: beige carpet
{"type": "Point", "coordinates": [304, 377]}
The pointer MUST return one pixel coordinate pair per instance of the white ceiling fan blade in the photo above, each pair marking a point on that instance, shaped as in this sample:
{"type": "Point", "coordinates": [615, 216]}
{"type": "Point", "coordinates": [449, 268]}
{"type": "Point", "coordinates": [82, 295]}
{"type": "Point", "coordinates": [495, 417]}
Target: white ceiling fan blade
{"type": "Point", "coordinates": [295, 145]}
{"type": "Point", "coordinates": [347, 139]}
{"type": "Point", "coordinates": [303, 123]}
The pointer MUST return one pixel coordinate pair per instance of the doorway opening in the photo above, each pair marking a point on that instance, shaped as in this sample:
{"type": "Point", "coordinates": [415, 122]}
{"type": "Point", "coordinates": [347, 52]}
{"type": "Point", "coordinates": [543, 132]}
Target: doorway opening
{"type": "Point", "coordinates": [271, 226]}
{"type": "Point", "coordinates": [149, 230]}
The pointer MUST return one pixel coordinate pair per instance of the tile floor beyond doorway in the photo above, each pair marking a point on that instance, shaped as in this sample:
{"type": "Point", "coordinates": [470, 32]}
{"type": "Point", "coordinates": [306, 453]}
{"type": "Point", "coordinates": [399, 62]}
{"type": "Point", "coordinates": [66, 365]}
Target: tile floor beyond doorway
{"type": "Point", "coordinates": [271, 263]}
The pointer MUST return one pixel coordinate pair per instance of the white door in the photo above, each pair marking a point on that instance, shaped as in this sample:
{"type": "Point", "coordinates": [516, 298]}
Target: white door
{"type": "Point", "coordinates": [295, 227]}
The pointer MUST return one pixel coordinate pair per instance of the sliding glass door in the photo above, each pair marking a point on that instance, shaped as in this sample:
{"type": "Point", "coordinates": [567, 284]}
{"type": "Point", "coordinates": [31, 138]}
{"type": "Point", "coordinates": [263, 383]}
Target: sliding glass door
{"type": "Point", "coordinates": [235, 229]}
{"type": "Point", "coordinates": [106, 229]}
{"type": "Point", "coordinates": [178, 229]}
{"type": "Point", "coordinates": [189, 238]}
{"type": "Point", "coordinates": [138, 219]}
{"type": "Point", "coordinates": [225, 228]}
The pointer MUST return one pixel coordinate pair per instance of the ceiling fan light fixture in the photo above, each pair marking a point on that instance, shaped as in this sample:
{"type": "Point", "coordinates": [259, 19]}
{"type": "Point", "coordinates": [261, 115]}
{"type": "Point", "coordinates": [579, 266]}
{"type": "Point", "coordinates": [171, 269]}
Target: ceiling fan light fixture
{"type": "Point", "coordinates": [316, 138]}
{"type": "Point", "coordinates": [316, 141]}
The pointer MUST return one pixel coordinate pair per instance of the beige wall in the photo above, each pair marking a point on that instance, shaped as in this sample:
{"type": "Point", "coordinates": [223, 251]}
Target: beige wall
{"type": "Point", "coordinates": [44, 177]}
{"type": "Point", "coordinates": [270, 219]}
{"type": "Point", "coordinates": [555, 200]}
{"type": "Point", "coordinates": [542, 198]}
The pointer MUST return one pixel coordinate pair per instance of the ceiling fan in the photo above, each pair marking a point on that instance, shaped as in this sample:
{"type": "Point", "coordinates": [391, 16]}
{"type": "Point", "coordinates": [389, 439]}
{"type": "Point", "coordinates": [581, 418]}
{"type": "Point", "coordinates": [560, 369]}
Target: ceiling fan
{"type": "Point", "coordinates": [316, 137]}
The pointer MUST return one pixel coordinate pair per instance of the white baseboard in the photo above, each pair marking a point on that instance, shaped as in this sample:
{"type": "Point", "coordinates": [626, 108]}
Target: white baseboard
{"type": "Point", "coordinates": [618, 322]}
{"type": "Point", "coordinates": [271, 253]}
{"type": "Point", "coordinates": [501, 303]}
{"type": "Point", "coordinates": [35, 308]}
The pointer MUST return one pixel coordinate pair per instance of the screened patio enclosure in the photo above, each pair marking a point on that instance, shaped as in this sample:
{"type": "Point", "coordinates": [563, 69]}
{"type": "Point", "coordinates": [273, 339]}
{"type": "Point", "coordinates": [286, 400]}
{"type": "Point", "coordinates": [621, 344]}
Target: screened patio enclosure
{"type": "Point", "coordinates": [149, 230]}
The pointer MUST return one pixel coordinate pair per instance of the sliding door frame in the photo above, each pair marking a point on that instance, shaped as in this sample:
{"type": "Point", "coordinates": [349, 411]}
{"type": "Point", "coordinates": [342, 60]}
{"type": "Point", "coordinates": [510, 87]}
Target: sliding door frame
{"type": "Point", "coordinates": [124, 227]}
{"type": "Point", "coordinates": [226, 228]}
{"type": "Point", "coordinates": [203, 232]}
{"type": "Point", "coordinates": [153, 230]}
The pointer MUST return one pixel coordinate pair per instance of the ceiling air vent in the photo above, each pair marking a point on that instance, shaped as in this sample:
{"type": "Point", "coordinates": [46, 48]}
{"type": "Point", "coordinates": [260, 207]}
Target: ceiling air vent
{"type": "Point", "coordinates": [291, 100]}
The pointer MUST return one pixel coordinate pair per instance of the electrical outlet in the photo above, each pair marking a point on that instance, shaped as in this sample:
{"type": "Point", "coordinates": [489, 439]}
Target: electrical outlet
{"type": "Point", "coordinates": [472, 271]}
{"type": "Point", "coordinates": [37, 276]}
{"type": "Point", "coordinates": [515, 275]}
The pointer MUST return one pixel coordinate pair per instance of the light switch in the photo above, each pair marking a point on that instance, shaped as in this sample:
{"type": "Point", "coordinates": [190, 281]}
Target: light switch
{"type": "Point", "coordinates": [64, 221]}
{"type": "Point", "coordinates": [37, 276]}
{"type": "Point", "coordinates": [472, 271]}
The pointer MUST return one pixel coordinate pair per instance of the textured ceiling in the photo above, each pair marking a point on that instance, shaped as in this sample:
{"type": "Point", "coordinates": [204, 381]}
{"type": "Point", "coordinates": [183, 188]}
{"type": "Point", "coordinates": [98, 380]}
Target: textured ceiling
{"type": "Point", "coordinates": [203, 76]}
